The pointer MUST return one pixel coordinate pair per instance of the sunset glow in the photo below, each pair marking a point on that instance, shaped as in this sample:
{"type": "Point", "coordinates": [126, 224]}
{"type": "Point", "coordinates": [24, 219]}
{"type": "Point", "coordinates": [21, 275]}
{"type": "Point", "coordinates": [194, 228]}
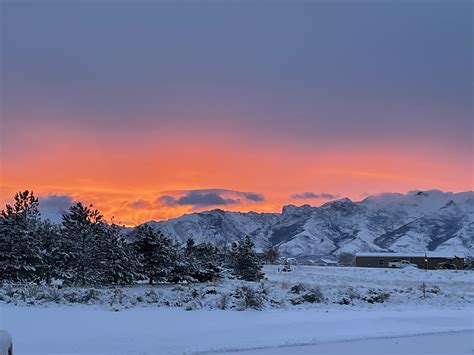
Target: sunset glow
{"type": "Point", "coordinates": [127, 181]}
{"type": "Point", "coordinates": [122, 113]}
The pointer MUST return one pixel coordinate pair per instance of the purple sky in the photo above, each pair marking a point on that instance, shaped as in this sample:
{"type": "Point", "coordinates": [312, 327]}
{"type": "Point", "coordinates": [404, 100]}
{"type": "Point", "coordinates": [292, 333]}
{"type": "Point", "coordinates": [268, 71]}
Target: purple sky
{"type": "Point", "coordinates": [316, 78]}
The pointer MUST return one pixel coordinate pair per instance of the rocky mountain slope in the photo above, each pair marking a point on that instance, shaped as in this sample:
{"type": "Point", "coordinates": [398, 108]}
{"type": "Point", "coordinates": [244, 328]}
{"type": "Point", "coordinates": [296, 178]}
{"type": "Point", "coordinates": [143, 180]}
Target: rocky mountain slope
{"type": "Point", "coordinates": [414, 222]}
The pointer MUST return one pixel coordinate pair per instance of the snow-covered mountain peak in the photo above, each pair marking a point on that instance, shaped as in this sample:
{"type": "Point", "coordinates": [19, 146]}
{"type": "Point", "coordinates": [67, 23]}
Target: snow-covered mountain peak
{"type": "Point", "coordinates": [296, 210]}
{"type": "Point", "coordinates": [412, 222]}
{"type": "Point", "coordinates": [341, 203]}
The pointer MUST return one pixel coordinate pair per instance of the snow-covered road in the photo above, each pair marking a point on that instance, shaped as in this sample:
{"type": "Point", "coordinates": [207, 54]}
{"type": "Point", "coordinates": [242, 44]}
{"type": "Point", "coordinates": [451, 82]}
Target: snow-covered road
{"type": "Point", "coordinates": [150, 330]}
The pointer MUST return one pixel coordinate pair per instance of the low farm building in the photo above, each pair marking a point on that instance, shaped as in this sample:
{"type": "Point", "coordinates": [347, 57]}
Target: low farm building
{"type": "Point", "coordinates": [428, 260]}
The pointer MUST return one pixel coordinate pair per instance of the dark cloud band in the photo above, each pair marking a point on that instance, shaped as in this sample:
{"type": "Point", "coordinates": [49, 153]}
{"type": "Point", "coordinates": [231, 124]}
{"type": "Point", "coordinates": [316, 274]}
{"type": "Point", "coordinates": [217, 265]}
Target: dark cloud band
{"type": "Point", "coordinates": [310, 195]}
{"type": "Point", "coordinates": [209, 197]}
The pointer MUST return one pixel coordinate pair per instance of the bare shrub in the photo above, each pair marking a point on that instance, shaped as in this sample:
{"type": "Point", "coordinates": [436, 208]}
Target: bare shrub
{"type": "Point", "coordinates": [310, 295]}
{"type": "Point", "coordinates": [353, 294]}
{"type": "Point", "coordinates": [313, 295]}
{"type": "Point", "coordinates": [9, 290]}
{"type": "Point", "coordinates": [117, 297]}
{"type": "Point", "coordinates": [90, 295]}
{"type": "Point", "coordinates": [248, 298]}
{"type": "Point", "coordinates": [377, 296]}
{"type": "Point", "coordinates": [55, 295]}
{"type": "Point", "coordinates": [151, 297]}
{"type": "Point", "coordinates": [195, 293]}
{"type": "Point", "coordinates": [193, 304]}
{"type": "Point", "coordinates": [72, 297]}
{"type": "Point", "coordinates": [223, 302]}
{"type": "Point", "coordinates": [211, 291]}
{"type": "Point", "coordinates": [33, 292]}
{"type": "Point", "coordinates": [298, 288]}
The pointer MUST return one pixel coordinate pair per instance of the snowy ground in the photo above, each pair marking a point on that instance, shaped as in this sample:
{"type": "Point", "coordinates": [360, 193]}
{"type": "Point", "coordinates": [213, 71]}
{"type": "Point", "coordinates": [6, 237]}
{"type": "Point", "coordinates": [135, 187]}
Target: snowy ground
{"type": "Point", "coordinates": [85, 330]}
{"type": "Point", "coordinates": [452, 343]}
{"type": "Point", "coordinates": [450, 287]}
{"type": "Point", "coordinates": [333, 285]}
{"type": "Point", "coordinates": [405, 323]}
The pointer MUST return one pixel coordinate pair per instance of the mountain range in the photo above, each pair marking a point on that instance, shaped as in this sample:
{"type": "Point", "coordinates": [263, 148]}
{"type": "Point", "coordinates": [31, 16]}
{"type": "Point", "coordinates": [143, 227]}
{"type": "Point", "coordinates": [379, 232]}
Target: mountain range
{"type": "Point", "coordinates": [417, 221]}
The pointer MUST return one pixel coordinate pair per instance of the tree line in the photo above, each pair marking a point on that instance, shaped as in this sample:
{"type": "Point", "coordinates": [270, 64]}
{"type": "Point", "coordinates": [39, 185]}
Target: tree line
{"type": "Point", "coordinates": [86, 250]}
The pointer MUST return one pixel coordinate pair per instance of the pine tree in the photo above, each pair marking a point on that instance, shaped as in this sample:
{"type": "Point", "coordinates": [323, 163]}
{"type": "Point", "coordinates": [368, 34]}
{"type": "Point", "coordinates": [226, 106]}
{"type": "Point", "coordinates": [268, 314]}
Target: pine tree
{"type": "Point", "coordinates": [118, 259]}
{"type": "Point", "coordinates": [201, 262]}
{"type": "Point", "coordinates": [157, 254]}
{"type": "Point", "coordinates": [54, 256]}
{"type": "Point", "coordinates": [246, 264]}
{"type": "Point", "coordinates": [271, 254]}
{"type": "Point", "coordinates": [82, 228]}
{"type": "Point", "coordinates": [19, 251]}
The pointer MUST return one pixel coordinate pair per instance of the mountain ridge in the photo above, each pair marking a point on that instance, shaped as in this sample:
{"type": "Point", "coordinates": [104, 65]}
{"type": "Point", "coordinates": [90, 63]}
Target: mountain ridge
{"type": "Point", "coordinates": [413, 222]}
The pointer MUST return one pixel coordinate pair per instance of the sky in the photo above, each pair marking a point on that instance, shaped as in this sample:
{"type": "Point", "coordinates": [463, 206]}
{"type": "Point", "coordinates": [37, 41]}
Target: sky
{"type": "Point", "coordinates": [152, 109]}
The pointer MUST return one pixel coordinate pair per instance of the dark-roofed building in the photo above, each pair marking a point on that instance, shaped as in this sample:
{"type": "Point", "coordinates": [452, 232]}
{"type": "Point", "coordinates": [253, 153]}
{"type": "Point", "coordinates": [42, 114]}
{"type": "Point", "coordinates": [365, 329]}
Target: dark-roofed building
{"type": "Point", "coordinates": [428, 260]}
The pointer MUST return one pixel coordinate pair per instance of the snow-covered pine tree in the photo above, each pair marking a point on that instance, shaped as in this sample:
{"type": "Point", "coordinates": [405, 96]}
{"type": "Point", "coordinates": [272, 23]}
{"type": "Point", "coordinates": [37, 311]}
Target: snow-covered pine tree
{"type": "Point", "coordinates": [201, 261]}
{"type": "Point", "coordinates": [119, 262]}
{"type": "Point", "coordinates": [82, 228]}
{"type": "Point", "coordinates": [54, 256]}
{"type": "Point", "coordinates": [19, 251]}
{"type": "Point", "coordinates": [183, 263]}
{"type": "Point", "coordinates": [157, 254]}
{"type": "Point", "coordinates": [245, 262]}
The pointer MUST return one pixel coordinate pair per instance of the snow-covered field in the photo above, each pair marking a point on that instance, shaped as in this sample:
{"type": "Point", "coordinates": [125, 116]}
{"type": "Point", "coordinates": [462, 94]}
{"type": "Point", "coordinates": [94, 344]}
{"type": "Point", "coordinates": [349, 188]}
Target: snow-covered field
{"type": "Point", "coordinates": [442, 287]}
{"type": "Point", "coordinates": [162, 331]}
{"type": "Point", "coordinates": [433, 344]}
{"type": "Point", "coordinates": [405, 320]}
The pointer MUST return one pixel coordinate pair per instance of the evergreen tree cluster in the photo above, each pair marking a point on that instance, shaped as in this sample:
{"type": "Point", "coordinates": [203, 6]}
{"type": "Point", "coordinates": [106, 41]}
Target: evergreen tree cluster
{"type": "Point", "coordinates": [86, 250]}
{"type": "Point", "coordinates": [246, 264]}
